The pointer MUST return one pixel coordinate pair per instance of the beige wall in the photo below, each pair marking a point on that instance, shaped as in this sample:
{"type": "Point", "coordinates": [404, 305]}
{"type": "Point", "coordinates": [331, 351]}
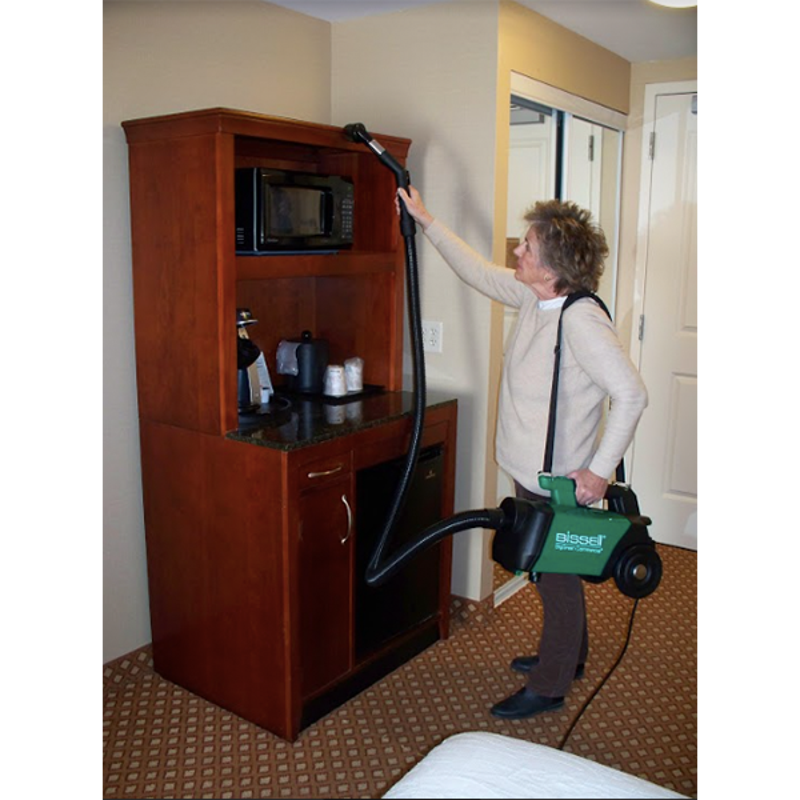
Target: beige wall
{"type": "Point", "coordinates": [161, 57]}
{"type": "Point", "coordinates": [539, 48]}
{"type": "Point", "coordinates": [429, 74]}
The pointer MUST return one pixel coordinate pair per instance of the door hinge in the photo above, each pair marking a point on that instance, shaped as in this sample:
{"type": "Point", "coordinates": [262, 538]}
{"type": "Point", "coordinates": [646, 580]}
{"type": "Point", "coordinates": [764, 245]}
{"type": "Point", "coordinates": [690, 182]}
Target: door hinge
{"type": "Point", "coordinates": [591, 148]}
{"type": "Point", "coordinates": [652, 150]}
{"type": "Point", "coordinates": [641, 327]}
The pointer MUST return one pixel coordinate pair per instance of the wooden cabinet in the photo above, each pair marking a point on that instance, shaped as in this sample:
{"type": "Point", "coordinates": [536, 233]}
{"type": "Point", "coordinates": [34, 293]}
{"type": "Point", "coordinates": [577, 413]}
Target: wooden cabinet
{"type": "Point", "coordinates": [251, 534]}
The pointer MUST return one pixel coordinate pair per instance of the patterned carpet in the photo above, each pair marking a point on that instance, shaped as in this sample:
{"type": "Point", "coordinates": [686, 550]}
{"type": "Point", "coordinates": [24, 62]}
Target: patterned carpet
{"type": "Point", "coordinates": [160, 741]}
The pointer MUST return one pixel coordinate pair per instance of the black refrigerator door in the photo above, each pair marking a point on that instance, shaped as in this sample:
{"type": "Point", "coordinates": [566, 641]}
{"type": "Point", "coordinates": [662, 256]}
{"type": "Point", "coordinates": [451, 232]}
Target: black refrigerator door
{"type": "Point", "coordinates": [412, 595]}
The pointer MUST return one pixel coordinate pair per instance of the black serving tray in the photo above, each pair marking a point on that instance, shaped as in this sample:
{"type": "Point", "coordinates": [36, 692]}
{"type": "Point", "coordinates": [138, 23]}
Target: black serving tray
{"type": "Point", "coordinates": [368, 390]}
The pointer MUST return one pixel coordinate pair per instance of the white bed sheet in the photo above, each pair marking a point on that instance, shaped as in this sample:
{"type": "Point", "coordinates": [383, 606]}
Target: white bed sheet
{"type": "Point", "coordinates": [487, 765]}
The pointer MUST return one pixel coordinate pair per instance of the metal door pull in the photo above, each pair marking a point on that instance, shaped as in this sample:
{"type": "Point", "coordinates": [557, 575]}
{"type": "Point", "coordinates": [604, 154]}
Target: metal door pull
{"type": "Point", "coordinates": [349, 519]}
{"type": "Point", "coordinates": [326, 472]}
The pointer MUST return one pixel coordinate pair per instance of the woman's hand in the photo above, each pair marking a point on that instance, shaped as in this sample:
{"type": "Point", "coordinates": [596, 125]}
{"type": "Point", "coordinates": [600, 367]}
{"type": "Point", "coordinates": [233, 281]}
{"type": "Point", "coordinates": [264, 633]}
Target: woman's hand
{"type": "Point", "coordinates": [589, 488]}
{"type": "Point", "coordinates": [414, 205]}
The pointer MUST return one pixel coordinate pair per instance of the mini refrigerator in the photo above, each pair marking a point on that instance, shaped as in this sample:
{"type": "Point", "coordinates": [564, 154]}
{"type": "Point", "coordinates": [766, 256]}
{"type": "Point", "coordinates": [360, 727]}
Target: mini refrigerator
{"type": "Point", "coordinates": [412, 595]}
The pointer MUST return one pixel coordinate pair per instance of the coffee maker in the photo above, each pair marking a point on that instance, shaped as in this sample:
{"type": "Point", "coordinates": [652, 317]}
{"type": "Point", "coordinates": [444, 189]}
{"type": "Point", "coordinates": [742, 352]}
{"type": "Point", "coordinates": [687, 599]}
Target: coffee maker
{"type": "Point", "coordinates": [254, 382]}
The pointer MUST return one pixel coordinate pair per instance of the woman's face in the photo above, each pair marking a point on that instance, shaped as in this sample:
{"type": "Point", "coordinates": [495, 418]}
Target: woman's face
{"type": "Point", "coordinates": [531, 269]}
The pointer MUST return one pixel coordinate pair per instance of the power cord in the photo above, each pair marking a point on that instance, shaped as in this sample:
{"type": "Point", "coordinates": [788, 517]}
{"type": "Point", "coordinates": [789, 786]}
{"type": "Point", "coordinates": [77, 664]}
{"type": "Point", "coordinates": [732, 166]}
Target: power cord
{"type": "Point", "coordinates": [602, 683]}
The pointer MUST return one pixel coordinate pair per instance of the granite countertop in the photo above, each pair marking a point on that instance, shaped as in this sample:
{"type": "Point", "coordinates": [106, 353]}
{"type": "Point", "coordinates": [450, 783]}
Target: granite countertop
{"type": "Point", "coordinates": [291, 422]}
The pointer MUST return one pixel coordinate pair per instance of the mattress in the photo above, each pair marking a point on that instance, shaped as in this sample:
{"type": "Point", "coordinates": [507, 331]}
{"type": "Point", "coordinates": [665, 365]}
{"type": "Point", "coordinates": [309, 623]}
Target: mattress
{"type": "Point", "coordinates": [487, 765]}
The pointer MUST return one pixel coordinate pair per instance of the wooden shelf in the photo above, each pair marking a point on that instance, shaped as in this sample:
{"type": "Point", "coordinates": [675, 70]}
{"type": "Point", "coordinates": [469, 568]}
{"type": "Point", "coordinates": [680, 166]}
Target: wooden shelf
{"type": "Point", "coordinates": [263, 267]}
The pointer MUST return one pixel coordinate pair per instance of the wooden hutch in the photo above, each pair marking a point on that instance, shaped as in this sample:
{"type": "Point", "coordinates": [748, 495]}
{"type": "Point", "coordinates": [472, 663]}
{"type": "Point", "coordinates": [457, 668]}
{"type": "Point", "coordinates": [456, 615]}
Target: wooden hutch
{"type": "Point", "coordinates": [250, 534]}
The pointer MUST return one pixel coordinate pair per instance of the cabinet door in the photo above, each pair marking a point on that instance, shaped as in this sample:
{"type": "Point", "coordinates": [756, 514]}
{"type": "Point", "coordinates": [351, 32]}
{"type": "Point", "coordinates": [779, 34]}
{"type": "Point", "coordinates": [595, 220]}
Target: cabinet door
{"type": "Point", "coordinates": [326, 580]}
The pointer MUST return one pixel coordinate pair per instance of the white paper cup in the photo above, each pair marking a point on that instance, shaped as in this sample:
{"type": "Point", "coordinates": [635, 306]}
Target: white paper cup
{"type": "Point", "coordinates": [354, 374]}
{"type": "Point", "coordinates": [335, 384]}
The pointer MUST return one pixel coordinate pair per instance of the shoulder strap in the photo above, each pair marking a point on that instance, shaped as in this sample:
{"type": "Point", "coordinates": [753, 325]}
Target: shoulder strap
{"type": "Point", "coordinates": [551, 425]}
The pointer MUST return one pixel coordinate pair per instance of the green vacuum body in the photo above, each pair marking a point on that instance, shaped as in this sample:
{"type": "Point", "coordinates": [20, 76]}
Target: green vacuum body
{"type": "Point", "coordinates": [559, 536]}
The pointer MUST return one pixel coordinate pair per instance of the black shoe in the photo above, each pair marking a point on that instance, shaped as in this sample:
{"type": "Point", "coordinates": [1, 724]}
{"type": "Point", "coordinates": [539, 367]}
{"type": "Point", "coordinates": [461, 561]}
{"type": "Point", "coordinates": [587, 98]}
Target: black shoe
{"type": "Point", "coordinates": [525, 703]}
{"type": "Point", "coordinates": [526, 663]}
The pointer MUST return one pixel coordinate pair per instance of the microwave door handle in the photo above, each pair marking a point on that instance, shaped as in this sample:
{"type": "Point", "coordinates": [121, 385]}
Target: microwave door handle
{"type": "Point", "coordinates": [326, 211]}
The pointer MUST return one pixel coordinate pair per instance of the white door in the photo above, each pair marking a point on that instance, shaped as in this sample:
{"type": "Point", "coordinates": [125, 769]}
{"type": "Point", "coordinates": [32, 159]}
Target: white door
{"type": "Point", "coordinates": [591, 179]}
{"type": "Point", "coordinates": [582, 169]}
{"type": "Point", "coordinates": [531, 167]}
{"type": "Point", "coordinates": [663, 468]}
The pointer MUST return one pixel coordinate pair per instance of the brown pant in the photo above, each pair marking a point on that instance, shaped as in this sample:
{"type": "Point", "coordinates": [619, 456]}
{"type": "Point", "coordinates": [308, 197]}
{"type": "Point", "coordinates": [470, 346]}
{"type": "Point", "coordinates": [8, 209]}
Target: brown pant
{"type": "Point", "coordinates": [564, 642]}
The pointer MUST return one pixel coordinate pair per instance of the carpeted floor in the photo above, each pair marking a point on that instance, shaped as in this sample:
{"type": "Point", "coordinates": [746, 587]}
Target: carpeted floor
{"type": "Point", "coordinates": [160, 741]}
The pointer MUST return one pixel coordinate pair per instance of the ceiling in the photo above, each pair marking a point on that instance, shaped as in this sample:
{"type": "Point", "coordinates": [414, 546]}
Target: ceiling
{"type": "Point", "coordinates": [637, 30]}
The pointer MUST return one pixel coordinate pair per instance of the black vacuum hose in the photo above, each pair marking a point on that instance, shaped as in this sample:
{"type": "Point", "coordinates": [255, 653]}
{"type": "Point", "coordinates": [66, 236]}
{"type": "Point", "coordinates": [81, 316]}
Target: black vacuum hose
{"type": "Point", "coordinates": [488, 518]}
{"type": "Point", "coordinates": [377, 572]}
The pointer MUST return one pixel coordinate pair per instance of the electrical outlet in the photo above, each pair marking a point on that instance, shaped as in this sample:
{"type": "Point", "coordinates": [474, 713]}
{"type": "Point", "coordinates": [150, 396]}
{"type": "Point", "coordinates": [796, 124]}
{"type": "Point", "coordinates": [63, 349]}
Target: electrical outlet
{"type": "Point", "coordinates": [432, 336]}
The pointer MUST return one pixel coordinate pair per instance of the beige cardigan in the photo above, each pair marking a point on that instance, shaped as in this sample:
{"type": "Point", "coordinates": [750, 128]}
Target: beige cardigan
{"type": "Point", "coordinates": [594, 366]}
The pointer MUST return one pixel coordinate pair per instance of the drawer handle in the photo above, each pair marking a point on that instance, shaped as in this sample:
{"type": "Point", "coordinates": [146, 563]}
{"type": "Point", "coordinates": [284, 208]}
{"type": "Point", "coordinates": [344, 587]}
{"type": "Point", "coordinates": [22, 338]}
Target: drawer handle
{"type": "Point", "coordinates": [322, 474]}
{"type": "Point", "coordinates": [349, 519]}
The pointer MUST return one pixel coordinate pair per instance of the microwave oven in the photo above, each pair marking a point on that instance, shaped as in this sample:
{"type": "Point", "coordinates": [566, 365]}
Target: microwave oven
{"type": "Point", "coordinates": [282, 211]}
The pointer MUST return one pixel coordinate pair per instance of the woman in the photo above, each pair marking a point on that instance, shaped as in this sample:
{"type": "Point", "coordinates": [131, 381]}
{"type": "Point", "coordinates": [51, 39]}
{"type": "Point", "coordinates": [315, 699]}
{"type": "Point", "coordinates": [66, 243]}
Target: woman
{"type": "Point", "coordinates": [562, 252]}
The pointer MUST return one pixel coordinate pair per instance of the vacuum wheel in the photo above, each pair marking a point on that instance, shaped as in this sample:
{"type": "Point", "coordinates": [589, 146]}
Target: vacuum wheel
{"type": "Point", "coordinates": [637, 572]}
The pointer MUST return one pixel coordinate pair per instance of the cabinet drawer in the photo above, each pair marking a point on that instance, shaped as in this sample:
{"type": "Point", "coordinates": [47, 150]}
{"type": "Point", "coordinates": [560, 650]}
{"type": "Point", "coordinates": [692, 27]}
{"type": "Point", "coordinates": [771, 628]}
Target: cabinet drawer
{"type": "Point", "coordinates": [321, 471]}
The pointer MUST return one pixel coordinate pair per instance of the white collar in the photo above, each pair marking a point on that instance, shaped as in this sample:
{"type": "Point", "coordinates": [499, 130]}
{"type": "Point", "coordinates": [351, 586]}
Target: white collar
{"type": "Point", "coordinates": [556, 302]}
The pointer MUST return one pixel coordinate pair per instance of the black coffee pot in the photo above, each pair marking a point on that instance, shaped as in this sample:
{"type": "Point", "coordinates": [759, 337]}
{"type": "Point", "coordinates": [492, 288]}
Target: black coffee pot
{"type": "Point", "coordinates": [312, 360]}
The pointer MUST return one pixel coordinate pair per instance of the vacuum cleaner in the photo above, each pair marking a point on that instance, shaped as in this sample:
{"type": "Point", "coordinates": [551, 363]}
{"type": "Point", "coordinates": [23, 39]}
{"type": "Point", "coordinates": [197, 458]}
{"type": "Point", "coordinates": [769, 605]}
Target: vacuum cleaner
{"type": "Point", "coordinates": [531, 536]}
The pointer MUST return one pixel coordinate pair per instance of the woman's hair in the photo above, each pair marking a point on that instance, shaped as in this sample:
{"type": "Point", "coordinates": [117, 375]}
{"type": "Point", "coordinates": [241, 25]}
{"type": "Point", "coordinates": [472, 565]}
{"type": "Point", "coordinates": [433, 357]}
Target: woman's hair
{"type": "Point", "coordinates": [570, 244]}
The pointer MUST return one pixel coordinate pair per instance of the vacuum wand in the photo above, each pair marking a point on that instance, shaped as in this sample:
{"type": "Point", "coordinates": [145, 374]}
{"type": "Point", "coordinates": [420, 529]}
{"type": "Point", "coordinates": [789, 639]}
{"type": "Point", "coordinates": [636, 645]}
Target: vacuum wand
{"type": "Point", "coordinates": [356, 132]}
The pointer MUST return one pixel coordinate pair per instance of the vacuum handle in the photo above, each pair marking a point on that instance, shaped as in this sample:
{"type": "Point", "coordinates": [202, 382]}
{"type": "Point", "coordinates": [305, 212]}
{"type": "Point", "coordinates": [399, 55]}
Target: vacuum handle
{"type": "Point", "coordinates": [407, 224]}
